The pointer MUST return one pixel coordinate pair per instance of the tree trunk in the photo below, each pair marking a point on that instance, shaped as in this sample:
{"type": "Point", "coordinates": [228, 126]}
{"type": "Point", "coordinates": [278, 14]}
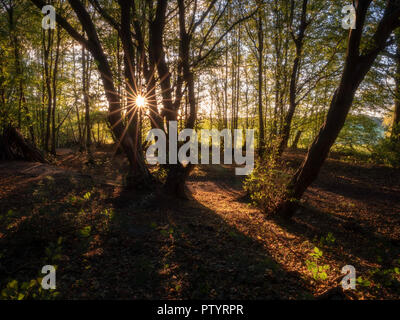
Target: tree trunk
{"type": "Point", "coordinates": [296, 139]}
{"type": "Point", "coordinates": [177, 173]}
{"type": "Point", "coordinates": [53, 111]}
{"type": "Point", "coordinates": [139, 173]}
{"type": "Point", "coordinates": [395, 134]}
{"type": "Point", "coordinates": [85, 90]}
{"type": "Point", "coordinates": [47, 69]}
{"type": "Point", "coordinates": [261, 139]}
{"type": "Point", "coordinates": [13, 146]}
{"type": "Point", "coordinates": [298, 40]}
{"type": "Point", "coordinates": [93, 44]}
{"type": "Point", "coordinates": [76, 99]}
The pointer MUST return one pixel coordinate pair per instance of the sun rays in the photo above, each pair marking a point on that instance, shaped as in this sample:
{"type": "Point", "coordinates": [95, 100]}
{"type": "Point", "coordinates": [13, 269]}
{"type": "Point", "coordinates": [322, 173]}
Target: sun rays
{"type": "Point", "coordinates": [140, 101]}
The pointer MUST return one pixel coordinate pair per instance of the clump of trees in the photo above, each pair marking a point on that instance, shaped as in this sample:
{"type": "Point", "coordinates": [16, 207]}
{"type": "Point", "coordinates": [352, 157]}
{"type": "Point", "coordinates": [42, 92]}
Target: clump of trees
{"type": "Point", "coordinates": [285, 68]}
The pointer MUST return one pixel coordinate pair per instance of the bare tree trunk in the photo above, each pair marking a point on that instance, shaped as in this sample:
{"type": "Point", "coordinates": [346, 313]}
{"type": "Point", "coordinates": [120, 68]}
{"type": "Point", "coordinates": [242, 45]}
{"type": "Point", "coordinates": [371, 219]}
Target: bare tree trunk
{"type": "Point", "coordinates": [225, 113]}
{"type": "Point", "coordinates": [139, 172]}
{"type": "Point", "coordinates": [177, 173]}
{"type": "Point", "coordinates": [76, 98]}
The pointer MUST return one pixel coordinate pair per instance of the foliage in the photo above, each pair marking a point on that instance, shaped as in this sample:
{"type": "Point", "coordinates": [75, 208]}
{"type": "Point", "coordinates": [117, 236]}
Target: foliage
{"type": "Point", "coordinates": [387, 152]}
{"type": "Point", "coordinates": [328, 240]}
{"type": "Point", "coordinates": [27, 290]}
{"type": "Point", "coordinates": [85, 231]}
{"type": "Point", "coordinates": [380, 278]}
{"type": "Point", "coordinates": [266, 184]}
{"type": "Point", "coordinates": [317, 270]}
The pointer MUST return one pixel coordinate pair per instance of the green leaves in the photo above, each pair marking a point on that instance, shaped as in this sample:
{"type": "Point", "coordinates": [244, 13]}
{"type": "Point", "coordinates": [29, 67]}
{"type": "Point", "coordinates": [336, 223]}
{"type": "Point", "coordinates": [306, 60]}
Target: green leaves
{"type": "Point", "coordinates": [319, 272]}
{"type": "Point", "coordinates": [85, 231]}
{"type": "Point", "coordinates": [328, 240]}
{"type": "Point", "coordinates": [27, 290]}
{"type": "Point", "coordinates": [266, 185]}
{"type": "Point", "coordinates": [363, 282]}
{"type": "Point", "coordinates": [317, 253]}
{"type": "Point", "coordinates": [54, 251]}
{"type": "Point", "coordinates": [87, 196]}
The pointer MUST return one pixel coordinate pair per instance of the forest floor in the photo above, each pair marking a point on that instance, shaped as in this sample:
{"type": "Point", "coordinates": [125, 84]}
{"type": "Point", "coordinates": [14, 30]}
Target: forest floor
{"type": "Point", "coordinates": [110, 243]}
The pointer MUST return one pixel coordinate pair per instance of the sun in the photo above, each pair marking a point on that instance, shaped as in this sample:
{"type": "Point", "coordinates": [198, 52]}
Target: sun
{"type": "Point", "coordinates": [141, 101]}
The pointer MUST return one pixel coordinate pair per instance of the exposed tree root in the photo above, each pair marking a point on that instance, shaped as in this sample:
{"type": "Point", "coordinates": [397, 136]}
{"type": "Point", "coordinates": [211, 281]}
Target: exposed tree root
{"type": "Point", "coordinates": [13, 146]}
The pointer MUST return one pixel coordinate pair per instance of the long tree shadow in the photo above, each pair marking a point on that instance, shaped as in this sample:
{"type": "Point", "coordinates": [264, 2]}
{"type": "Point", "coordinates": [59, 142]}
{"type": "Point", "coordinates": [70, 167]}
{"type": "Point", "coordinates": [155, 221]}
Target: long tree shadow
{"type": "Point", "coordinates": [355, 203]}
{"type": "Point", "coordinates": [184, 250]}
{"type": "Point", "coordinates": [127, 246]}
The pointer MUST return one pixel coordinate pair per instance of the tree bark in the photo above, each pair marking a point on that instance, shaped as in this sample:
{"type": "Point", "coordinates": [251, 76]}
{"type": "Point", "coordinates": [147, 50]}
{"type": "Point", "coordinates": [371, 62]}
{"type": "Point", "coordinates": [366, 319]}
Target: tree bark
{"type": "Point", "coordinates": [47, 68]}
{"type": "Point", "coordinates": [177, 173]}
{"type": "Point", "coordinates": [139, 172]}
{"type": "Point", "coordinates": [85, 89]}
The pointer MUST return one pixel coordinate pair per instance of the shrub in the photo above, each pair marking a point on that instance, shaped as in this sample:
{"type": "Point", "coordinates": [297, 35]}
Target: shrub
{"type": "Point", "coordinates": [266, 185]}
{"type": "Point", "coordinates": [387, 151]}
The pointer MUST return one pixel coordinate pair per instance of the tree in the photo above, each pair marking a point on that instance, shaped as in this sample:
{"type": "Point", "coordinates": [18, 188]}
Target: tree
{"type": "Point", "coordinates": [358, 61]}
{"type": "Point", "coordinates": [395, 133]}
{"type": "Point", "coordinates": [92, 43]}
{"type": "Point", "coordinates": [260, 58]}
{"type": "Point", "coordinates": [298, 39]}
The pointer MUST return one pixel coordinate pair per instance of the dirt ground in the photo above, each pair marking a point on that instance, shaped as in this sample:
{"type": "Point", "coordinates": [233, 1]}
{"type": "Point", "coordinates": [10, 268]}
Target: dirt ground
{"type": "Point", "coordinates": [108, 242]}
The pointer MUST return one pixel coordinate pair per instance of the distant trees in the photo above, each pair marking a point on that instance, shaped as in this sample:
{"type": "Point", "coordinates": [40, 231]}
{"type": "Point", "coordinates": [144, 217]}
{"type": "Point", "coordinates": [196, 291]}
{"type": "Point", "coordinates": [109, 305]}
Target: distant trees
{"type": "Point", "coordinates": [359, 131]}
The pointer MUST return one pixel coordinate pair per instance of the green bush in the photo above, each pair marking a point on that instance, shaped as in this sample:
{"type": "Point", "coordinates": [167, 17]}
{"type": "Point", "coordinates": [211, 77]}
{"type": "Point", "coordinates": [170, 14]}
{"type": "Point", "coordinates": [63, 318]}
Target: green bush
{"type": "Point", "coordinates": [266, 185]}
{"type": "Point", "coordinates": [387, 152]}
